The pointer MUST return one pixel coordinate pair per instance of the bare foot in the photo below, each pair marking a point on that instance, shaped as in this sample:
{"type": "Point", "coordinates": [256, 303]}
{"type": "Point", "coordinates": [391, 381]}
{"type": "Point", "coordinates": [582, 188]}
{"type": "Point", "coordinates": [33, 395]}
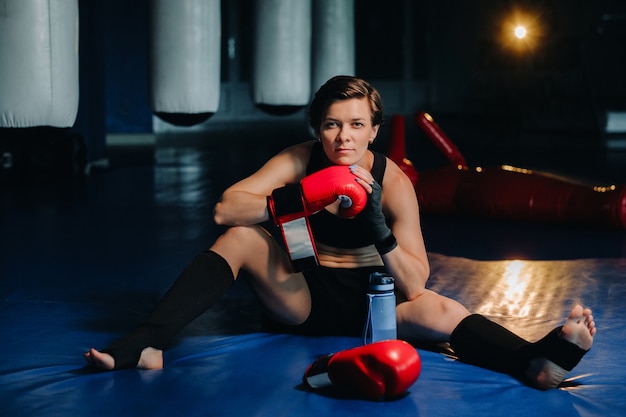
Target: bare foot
{"type": "Point", "coordinates": [579, 329]}
{"type": "Point", "coordinates": [150, 359]}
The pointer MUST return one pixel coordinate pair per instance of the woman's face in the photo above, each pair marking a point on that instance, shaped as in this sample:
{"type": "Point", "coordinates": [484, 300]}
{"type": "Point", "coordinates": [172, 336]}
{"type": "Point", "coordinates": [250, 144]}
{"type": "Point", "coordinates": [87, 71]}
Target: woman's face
{"type": "Point", "coordinates": [346, 131]}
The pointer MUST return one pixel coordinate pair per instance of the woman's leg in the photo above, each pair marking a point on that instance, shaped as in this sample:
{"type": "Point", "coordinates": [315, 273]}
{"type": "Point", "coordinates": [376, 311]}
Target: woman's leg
{"type": "Point", "coordinates": [430, 317]}
{"type": "Point", "coordinates": [283, 293]}
{"type": "Point", "coordinates": [479, 341]}
{"type": "Point", "coordinates": [202, 284]}
{"type": "Point", "coordinates": [542, 364]}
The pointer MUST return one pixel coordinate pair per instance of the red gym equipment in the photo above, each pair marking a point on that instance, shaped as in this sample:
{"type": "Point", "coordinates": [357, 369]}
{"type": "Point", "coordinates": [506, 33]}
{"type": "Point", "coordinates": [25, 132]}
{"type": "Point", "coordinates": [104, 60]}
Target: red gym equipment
{"type": "Point", "coordinates": [503, 192]}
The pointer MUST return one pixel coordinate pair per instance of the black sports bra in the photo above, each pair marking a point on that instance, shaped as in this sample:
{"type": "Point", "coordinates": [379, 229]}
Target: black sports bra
{"type": "Point", "coordinates": [334, 230]}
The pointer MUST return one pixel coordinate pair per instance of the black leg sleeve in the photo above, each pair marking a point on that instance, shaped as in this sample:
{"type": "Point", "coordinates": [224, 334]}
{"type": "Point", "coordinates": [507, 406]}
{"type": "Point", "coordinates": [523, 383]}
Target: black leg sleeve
{"type": "Point", "coordinates": [197, 288]}
{"type": "Point", "coordinates": [481, 342]}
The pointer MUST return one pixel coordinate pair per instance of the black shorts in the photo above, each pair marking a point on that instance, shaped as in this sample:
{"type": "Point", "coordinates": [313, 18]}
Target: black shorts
{"type": "Point", "coordinates": [338, 303]}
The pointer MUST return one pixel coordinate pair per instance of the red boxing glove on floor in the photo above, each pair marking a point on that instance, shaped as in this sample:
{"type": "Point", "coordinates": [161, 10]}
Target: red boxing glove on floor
{"type": "Point", "coordinates": [379, 370]}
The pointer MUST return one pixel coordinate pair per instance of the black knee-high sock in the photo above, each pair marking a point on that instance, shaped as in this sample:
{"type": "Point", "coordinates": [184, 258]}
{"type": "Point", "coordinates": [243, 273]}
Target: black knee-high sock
{"type": "Point", "coordinates": [196, 289]}
{"type": "Point", "coordinates": [479, 341]}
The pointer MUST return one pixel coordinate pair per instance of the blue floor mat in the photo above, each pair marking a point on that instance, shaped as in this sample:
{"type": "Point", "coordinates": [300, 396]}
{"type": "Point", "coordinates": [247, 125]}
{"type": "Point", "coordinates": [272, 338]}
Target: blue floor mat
{"type": "Point", "coordinates": [256, 373]}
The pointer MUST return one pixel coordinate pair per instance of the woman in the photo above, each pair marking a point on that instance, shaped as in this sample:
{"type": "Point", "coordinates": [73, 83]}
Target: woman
{"type": "Point", "coordinates": [345, 114]}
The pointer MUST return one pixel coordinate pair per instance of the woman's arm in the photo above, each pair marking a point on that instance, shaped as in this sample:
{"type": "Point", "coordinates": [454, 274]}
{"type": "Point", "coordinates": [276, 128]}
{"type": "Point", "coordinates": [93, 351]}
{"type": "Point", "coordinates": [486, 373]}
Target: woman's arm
{"type": "Point", "coordinates": [405, 257]}
{"type": "Point", "coordinates": [408, 262]}
{"type": "Point", "coordinates": [245, 202]}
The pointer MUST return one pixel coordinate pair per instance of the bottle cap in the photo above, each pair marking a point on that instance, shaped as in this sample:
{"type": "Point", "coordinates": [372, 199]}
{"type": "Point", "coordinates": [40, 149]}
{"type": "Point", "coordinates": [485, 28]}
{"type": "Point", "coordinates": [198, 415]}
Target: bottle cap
{"type": "Point", "coordinates": [380, 282]}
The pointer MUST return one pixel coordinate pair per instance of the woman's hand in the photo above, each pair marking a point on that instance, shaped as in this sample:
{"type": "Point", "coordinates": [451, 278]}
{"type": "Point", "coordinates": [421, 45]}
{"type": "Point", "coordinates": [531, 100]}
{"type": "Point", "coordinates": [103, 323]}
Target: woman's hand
{"type": "Point", "coordinates": [384, 240]}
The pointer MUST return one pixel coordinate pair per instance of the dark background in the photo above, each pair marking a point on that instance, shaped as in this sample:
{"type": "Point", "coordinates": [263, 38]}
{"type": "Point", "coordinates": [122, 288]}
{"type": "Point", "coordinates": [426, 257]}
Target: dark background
{"type": "Point", "coordinates": [446, 54]}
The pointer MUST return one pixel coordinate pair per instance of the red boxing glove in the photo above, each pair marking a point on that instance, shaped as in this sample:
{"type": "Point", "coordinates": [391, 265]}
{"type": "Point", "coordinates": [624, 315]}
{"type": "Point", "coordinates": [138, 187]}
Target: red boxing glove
{"type": "Point", "coordinates": [315, 192]}
{"type": "Point", "coordinates": [379, 370]}
{"type": "Point", "coordinates": [290, 205]}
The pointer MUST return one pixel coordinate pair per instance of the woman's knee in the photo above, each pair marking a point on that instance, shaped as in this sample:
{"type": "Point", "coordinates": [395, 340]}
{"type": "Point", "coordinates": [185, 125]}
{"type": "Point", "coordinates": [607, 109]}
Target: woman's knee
{"type": "Point", "coordinates": [251, 248]}
{"type": "Point", "coordinates": [243, 231]}
{"type": "Point", "coordinates": [237, 242]}
{"type": "Point", "coordinates": [432, 311]}
{"type": "Point", "coordinates": [242, 237]}
{"type": "Point", "coordinates": [450, 309]}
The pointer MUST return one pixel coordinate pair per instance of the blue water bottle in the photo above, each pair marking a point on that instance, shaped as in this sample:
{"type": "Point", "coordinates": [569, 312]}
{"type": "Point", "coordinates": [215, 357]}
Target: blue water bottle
{"type": "Point", "coordinates": [381, 316]}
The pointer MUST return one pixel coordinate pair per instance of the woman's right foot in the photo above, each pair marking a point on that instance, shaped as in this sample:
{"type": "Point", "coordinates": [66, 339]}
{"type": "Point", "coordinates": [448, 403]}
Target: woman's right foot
{"type": "Point", "coordinates": [150, 358]}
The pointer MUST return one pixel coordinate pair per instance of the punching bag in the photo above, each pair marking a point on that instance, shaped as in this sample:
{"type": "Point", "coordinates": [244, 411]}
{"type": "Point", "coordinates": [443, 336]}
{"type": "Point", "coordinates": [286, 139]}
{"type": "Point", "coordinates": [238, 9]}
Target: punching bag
{"type": "Point", "coordinates": [185, 60]}
{"type": "Point", "coordinates": [333, 40]}
{"type": "Point", "coordinates": [281, 80]}
{"type": "Point", "coordinates": [39, 90]}
{"type": "Point", "coordinates": [38, 63]}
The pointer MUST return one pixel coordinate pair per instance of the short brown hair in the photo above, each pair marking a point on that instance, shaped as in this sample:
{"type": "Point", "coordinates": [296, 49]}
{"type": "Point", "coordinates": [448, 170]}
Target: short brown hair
{"type": "Point", "coordinates": [344, 87]}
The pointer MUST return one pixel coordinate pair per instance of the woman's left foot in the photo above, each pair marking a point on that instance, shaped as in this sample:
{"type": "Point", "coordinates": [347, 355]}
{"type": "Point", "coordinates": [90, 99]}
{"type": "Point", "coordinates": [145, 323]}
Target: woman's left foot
{"type": "Point", "coordinates": [579, 329]}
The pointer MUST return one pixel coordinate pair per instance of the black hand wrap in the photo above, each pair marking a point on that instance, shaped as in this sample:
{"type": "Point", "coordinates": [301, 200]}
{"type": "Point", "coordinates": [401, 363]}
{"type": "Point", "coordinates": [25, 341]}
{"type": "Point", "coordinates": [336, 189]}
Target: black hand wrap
{"type": "Point", "coordinates": [384, 240]}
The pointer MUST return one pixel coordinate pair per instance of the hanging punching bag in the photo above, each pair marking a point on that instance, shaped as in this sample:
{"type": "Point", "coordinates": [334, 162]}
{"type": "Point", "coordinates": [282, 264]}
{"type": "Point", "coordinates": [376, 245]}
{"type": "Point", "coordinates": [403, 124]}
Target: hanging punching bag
{"type": "Point", "coordinates": [281, 81]}
{"type": "Point", "coordinates": [38, 63]}
{"type": "Point", "coordinates": [39, 87]}
{"type": "Point", "coordinates": [185, 60]}
{"type": "Point", "coordinates": [333, 40]}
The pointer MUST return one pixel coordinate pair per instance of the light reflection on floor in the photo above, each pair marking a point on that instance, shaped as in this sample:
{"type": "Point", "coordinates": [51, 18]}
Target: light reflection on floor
{"type": "Point", "coordinates": [509, 296]}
